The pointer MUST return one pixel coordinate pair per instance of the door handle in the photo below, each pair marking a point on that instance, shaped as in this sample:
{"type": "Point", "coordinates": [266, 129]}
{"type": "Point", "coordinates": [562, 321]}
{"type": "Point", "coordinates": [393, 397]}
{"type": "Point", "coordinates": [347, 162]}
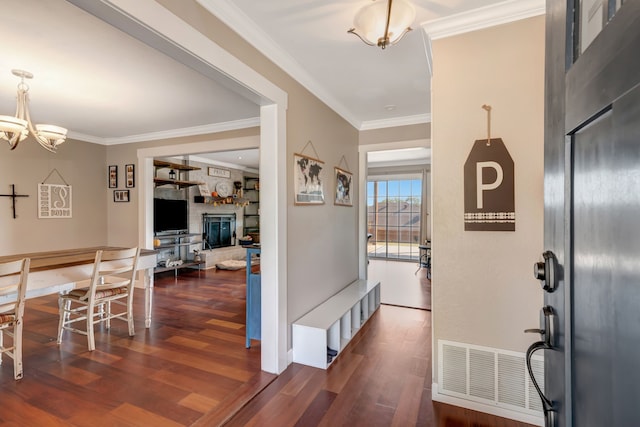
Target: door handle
{"type": "Point", "coordinates": [547, 333]}
{"type": "Point", "coordinates": [547, 328]}
{"type": "Point", "coordinates": [547, 271]}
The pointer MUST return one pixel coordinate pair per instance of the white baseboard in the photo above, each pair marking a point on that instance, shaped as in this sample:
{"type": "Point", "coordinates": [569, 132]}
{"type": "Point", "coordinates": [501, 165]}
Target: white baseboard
{"type": "Point", "coordinates": [290, 357]}
{"type": "Point", "coordinates": [481, 407]}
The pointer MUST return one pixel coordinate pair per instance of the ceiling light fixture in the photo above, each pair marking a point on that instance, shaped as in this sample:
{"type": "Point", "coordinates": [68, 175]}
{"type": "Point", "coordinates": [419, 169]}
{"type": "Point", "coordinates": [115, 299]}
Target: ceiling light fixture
{"type": "Point", "coordinates": [376, 26]}
{"type": "Point", "coordinates": [15, 129]}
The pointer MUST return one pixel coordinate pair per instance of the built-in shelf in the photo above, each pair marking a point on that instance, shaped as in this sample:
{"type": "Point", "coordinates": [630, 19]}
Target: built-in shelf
{"type": "Point", "coordinates": [251, 224]}
{"type": "Point", "coordinates": [181, 183]}
{"type": "Point", "coordinates": [159, 164]}
{"type": "Point", "coordinates": [333, 324]}
{"type": "Point", "coordinates": [218, 200]}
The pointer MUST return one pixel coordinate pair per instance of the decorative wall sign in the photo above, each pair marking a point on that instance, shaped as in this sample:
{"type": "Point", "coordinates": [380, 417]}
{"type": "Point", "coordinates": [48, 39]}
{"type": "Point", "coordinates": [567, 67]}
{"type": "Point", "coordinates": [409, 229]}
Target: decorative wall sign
{"type": "Point", "coordinates": [203, 187]}
{"type": "Point", "coordinates": [221, 173]}
{"type": "Point", "coordinates": [489, 199]}
{"type": "Point", "coordinates": [54, 201]}
{"type": "Point", "coordinates": [344, 180]}
{"type": "Point", "coordinates": [120, 195]}
{"type": "Point", "coordinates": [113, 176]}
{"type": "Point", "coordinates": [308, 180]}
{"type": "Point", "coordinates": [130, 176]}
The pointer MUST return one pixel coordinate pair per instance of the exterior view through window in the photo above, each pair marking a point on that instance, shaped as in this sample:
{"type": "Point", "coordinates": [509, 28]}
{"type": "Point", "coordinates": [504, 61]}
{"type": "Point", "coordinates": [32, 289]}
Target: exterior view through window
{"type": "Point", "coordinates": [393, 218]}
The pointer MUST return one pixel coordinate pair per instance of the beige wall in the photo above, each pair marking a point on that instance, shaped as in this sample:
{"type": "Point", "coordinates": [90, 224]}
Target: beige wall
{"type": "Point", "coordinates": [82, 166]}
{"type": "Point", "coordinates": [484, 292]}
{"type": "Point", "coordinates": [322, 240]}
{"type": "Point", "coordinates": [122, 218]}
{"type": "Point", "coordinates": [395, 134]}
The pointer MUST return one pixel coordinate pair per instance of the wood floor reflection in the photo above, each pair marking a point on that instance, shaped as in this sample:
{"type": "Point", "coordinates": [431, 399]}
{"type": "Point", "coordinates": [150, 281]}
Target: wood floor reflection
{"type": "Point", "coordinates": [191, 362]}
{"type": "Point", "coordinates": [191, 369]}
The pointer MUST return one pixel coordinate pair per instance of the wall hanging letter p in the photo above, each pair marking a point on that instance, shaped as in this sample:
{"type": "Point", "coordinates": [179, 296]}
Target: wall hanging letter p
{"type": "Point", "coordinates": [489, 201]}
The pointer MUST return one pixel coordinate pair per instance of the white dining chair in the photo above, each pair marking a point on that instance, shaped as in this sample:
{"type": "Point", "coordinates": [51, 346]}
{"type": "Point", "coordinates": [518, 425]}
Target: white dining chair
{"type": "Point", "coordinates": [13, 286]}
{"type": "Point", "coordinates": [112, 281]}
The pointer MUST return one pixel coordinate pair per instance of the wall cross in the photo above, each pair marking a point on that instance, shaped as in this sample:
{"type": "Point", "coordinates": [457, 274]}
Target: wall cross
{"type": "Point", "coordinates": [13, 196]}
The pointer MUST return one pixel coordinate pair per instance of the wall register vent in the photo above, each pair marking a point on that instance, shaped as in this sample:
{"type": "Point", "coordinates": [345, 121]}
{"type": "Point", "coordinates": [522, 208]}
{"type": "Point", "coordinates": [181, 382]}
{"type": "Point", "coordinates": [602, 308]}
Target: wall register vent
{"type": "Point", "coordinates": [489, 376]}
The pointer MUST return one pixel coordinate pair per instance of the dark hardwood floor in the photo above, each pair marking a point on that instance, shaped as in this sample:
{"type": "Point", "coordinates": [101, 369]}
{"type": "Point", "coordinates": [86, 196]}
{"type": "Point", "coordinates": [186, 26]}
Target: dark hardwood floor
{"type": "Point", "coordinates": [191, 368]}
{"type": "Point", "coordinates": [191, 362]}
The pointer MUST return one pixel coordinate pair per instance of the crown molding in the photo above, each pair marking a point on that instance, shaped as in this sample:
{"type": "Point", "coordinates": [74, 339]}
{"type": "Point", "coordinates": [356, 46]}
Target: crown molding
{"type": "Point", "coordinates": [172, 133]}
{"type": "Point", "coordinates": [396, 121]}
{"type": "Point", "coordinates": [241, 24]}
{"type": "Point", "coordinates": [484, 17]}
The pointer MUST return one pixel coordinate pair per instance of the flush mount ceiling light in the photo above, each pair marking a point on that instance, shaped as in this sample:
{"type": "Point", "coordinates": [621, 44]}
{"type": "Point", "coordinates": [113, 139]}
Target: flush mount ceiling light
{"type": "Point", "coordinates": [383, 23]}
{"type": "Point", "coordinates": [15, 129]}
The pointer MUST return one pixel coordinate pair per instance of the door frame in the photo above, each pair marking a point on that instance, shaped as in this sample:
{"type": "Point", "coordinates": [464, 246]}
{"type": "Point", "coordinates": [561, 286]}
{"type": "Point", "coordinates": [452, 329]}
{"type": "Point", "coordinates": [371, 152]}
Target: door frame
{"type": "Point", "coordinates": [150, 22]}
{"type": "Point", "coordinates": [363, 150]}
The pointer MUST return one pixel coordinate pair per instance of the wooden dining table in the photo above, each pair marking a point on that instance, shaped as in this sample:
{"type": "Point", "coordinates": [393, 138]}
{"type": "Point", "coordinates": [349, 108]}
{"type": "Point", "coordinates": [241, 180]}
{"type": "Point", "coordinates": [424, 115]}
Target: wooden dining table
{"type": "Point", "coordinates": [52, 272]}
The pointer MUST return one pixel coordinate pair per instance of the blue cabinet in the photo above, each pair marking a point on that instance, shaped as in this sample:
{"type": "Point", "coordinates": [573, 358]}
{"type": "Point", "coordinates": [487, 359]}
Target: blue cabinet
{"type": "Point", "coordinates": [253, 299]}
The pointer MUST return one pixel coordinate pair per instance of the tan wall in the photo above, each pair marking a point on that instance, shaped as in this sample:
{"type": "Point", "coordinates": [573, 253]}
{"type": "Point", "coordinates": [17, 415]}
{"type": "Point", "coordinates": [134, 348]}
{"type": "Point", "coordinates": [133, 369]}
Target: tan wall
{"type": "Point", "coordinates": [395, 134]}
{"type": "Point", "coordinates": [82, 166]}
{"type": "Point", "coordinates": [123, 217]}
{"type": "Point", "coordinates": [483, 288]}
{"type": "Point", "coordinates": [322, 240]}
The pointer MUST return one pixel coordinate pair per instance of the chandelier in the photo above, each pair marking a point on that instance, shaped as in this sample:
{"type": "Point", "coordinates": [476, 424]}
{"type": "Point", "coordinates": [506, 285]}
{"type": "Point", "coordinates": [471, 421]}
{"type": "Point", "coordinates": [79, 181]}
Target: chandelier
{"type": "Point", "coordinates": [376, 26]}
{"type": "Point", "coordinates": [15, 129]}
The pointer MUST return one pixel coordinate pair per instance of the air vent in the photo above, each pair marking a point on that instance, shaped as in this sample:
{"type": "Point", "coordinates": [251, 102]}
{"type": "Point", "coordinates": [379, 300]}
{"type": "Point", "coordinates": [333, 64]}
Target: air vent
{"type": "Point", "coordinates": [489, 375]}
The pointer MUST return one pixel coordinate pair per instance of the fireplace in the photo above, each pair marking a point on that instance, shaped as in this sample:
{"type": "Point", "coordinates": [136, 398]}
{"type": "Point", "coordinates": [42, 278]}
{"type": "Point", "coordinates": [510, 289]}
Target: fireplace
{"type": "Point", "coordinates": [218, 230]}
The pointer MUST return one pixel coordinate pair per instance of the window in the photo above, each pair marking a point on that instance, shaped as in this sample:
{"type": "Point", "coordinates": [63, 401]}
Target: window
{"type": "Point", "coordinates": [393, 217]}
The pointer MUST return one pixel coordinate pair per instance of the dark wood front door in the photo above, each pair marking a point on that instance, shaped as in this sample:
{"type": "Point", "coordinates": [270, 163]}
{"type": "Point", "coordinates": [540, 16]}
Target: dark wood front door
{"type": "Point", "coordinates": [592, 210]}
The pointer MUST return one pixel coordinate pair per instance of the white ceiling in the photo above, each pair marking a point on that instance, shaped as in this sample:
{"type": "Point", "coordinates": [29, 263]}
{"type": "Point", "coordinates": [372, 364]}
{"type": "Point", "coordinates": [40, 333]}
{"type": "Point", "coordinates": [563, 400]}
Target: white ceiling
{"type": "Point", "coordinates": [309, 39]}
{"type": "Point", "coordinates": [107, 87]}
{"type": "Point", "coordinates": [100, 83]}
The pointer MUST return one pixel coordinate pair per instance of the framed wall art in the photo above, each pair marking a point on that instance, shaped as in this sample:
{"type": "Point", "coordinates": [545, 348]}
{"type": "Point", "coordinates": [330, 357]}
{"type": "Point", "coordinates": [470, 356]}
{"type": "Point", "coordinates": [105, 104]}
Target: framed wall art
{"type": "Point", "coordinates": [308, 183]}
{"type": "Point", "coordinates": [130, 176]}
{"type": "Point", "coordinates": [120, 195]}
{"type": "Point", "coordinates": [113, 176]}
{"type": "Point", "coordinates": [343, 181]}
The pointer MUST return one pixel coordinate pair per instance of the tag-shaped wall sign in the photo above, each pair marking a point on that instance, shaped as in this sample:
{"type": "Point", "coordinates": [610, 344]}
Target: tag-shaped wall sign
{"type": "Point", "coordinates": [489, 198]}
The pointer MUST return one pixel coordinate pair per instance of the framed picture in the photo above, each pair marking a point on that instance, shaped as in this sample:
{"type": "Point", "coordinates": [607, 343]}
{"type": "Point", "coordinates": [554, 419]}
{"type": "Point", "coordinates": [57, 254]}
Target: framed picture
{"type": "Point", "coordinates": [220, 173]}
{"type": "Point", "coordinates": [308, 178]}
{"type": "Point", "coordinates": [113, 176]}
{"type": "Point", "coordinates": [344, 180]}
{"type": "Point", "coordinates": [120, 195]}
{"type": "Point", "coordinates": [130, 176]}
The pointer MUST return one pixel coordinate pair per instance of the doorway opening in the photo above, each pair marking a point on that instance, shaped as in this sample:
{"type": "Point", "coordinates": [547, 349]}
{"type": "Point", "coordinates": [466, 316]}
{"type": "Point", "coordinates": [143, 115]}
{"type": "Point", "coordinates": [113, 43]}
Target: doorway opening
{"type": "Point", "coordinates": [394, 212]}
{"type": "Point", "coordinates": [396, 201]}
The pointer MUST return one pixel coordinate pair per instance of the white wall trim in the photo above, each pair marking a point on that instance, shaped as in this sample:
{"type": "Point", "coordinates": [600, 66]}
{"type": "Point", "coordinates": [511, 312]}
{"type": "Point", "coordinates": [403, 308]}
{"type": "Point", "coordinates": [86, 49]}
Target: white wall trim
{"type": "Point", "coordinates": [152, 16]}
{"type": "Point", "coordinates": [171, 133]}
{"type": "Point", "coordinates": [383, 146]}
{"type": "Point", "coordinates": [206, 160]}
{"type": "Point", "coordinates": [396, 121]}
{"type": "Point", "coordinates": [362, 192]}
{"type": "Point", "coordinates": [481, 407]}
{"type": "Point", "coordinates": [484, 17]}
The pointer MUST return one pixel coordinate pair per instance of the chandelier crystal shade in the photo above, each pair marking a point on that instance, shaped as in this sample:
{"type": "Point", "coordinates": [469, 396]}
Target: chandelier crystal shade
{"type": "Point", "coordinates": [383, 23]}
{"type": "Point", "coordinates": [14, 129]}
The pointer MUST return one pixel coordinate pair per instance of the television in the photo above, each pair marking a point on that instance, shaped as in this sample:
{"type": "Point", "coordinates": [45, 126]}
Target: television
{"type": "Point", "coordinates": [170, 215]}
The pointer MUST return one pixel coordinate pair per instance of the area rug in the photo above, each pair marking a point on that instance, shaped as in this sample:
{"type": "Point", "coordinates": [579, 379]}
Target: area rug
{"type": "Point", "coordinates": [235, 264]}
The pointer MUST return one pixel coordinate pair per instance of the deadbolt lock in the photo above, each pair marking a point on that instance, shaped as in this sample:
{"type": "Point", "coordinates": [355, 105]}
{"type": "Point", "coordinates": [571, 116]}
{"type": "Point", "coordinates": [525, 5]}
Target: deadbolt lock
{"type": "Point", "coordinates": [547, 271]}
